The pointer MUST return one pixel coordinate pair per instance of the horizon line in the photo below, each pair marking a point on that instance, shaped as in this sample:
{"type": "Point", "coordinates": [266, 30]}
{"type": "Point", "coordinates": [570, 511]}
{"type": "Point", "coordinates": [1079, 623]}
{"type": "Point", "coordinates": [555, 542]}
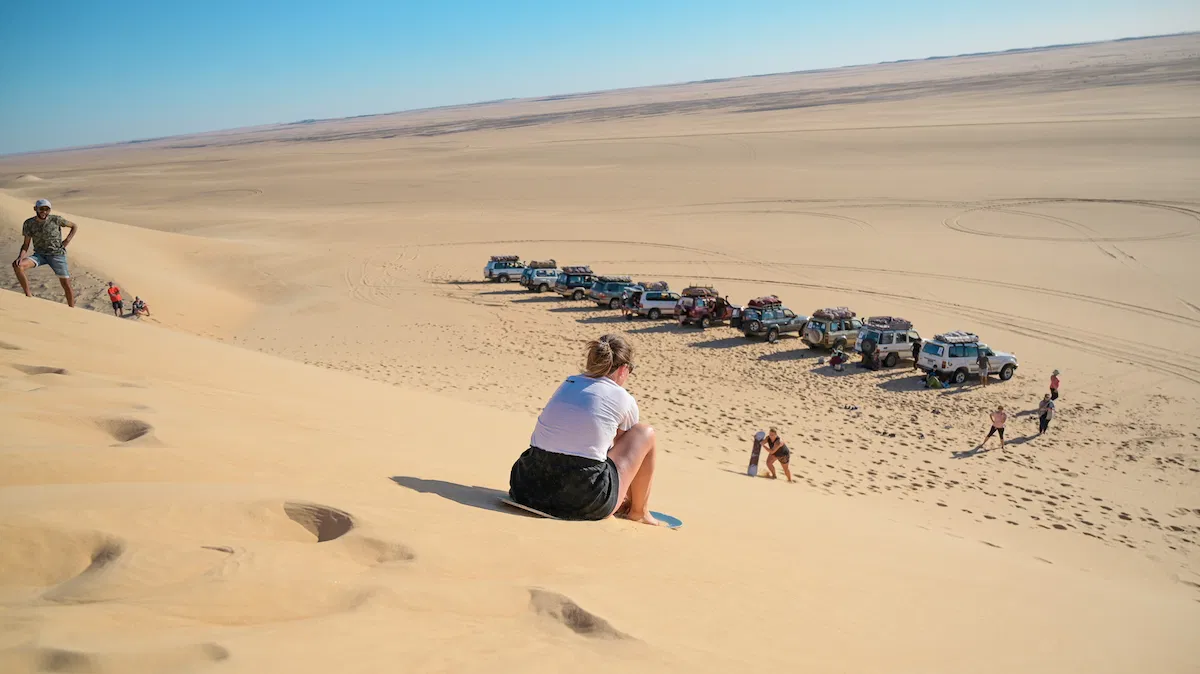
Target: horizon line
{"type": "Point", "coordinates": [551, 96]}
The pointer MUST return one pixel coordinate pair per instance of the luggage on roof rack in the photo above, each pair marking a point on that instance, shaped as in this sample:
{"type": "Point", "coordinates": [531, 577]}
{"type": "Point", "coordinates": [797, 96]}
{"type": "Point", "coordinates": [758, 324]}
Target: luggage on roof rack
{"type": "Point", "coordinates": [542, 264]}
{"type": "Point", "coordinates": [957, 337]}
{"type": "Point", "coordinates": [834, 313]}
{"type": "Point", "coordinates": [506, 258]}
{"type": "Point", "coordinates": [656, 285]}
{"type": "Point", "coordinates": [615, 279]}
{"type": "Point", "coordinates": [889, 323]}
{"type": "Point", "coordinates": [578, 269]}
{"type": "Point", "coordinates": [699, 291]}
{"type": "Point", "coordinates": [765, 301]}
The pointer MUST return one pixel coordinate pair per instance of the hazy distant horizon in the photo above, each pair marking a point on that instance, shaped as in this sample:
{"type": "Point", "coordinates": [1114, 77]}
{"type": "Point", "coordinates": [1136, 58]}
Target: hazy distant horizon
{"type": "Point", "coordinates": [131, 73]}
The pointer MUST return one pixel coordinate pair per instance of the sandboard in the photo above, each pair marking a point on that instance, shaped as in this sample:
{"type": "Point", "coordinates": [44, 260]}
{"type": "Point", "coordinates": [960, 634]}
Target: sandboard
{"type": "Point", "coordinates": [752, 471]}
{"type": "Point", "coordinates": [669, 521]}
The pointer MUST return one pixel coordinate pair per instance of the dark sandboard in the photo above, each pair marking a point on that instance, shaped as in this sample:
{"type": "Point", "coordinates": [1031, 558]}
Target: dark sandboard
{"type": "Point", "coordinates": [669, 521]}
{"type": "Point", "coordinates": [752, 471]}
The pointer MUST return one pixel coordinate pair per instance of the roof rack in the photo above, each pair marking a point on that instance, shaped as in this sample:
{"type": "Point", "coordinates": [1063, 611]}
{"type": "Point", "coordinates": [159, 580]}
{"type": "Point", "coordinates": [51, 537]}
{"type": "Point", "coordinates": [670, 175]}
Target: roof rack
{"type": "Point", "coordinates": [506, 258]}
{"type": "Point", "coordinates": [542, 264]}
{"type": "Point", "coordinates": [889, 323]}
{"type": "Point", "coordinates": [957, 337]}
{"type": "Point", "coordinates": [765, 301]}
{"type": "Point", "coordinates": [699, 291]}
{"type": "Point", "coordinates": [656, 285]}
{"type": "Point", "coordinates": [615, 279]}
{"type": "Point", "coordinates": [578, 269]}
{"type": "Point", "coordinates": [834, 313]}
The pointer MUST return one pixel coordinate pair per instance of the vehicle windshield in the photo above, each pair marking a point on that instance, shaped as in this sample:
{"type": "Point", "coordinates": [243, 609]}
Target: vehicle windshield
{"type": "Point", "coordinates": [933, 349]}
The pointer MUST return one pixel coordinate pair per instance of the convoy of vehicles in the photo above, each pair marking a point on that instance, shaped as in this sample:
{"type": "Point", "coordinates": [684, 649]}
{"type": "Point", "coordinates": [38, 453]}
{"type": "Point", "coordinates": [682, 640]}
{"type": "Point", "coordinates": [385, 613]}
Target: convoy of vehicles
{"type": "Point", "coordinates": [883, 339]}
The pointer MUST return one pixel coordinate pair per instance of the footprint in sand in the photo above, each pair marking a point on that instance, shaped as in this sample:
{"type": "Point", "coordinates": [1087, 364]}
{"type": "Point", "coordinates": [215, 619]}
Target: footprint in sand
{"type": "Point", "coordinates": [569, 614]}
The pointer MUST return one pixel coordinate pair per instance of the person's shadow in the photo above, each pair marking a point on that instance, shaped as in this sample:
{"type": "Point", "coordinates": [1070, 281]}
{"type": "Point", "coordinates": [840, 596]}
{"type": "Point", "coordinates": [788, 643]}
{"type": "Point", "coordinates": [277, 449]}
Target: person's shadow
{"type": "Point", "coordinates": [476, 497]}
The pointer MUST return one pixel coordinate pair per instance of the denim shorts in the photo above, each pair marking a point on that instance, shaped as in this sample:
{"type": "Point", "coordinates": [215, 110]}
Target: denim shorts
{"type": "Point", "coordinates": [58, 263]}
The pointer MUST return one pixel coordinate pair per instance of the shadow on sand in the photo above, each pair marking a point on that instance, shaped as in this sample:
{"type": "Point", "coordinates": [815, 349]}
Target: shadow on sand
{"type": "Point", "coordinates": [603, 319]}
{"type": "Point", "coordinates": [538, 299]}
{"type": "Point", "coordinates": [475, 497]}
{"type": "Point", "coordinates": [723, 343]}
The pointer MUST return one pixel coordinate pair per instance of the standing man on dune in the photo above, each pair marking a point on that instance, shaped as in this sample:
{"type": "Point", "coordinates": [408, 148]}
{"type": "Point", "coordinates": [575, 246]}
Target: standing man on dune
{"type": "Point", "coordinates": [44, 231]}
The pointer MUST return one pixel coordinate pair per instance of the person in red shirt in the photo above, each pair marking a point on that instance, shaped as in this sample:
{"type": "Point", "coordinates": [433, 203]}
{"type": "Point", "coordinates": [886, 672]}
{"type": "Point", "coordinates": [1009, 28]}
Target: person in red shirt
{"type": "Point", "coordinates": [1054, 385]}
{"type": "Point", "coordinates": [114, 294]}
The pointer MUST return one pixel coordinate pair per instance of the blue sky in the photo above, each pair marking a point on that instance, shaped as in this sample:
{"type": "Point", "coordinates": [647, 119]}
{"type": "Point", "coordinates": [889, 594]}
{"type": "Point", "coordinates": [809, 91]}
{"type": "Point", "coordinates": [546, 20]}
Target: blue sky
{"type": "Point", "coordinates": [76, 73]}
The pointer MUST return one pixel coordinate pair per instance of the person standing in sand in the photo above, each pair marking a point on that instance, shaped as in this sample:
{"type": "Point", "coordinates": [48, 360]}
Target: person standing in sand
{"type": "Point", "coordinates": [984, 366]}
{"type": "Point", "coordinates": [1054, 385]}
{"type": "Point", "coordinates": [118, 305]}
{"type": "Point", "coordinates": [777, 450]}
{"type": "Point", "coordinates": [916, 353]}
{"type": "Point", "coordinates": [590, 457]}
{"type": "Point", "coordinates": [44, 231]}
{"type": "Point", "coordinates": [1045, 414]}
{"type": "Point", "coordinates": [999, 418]}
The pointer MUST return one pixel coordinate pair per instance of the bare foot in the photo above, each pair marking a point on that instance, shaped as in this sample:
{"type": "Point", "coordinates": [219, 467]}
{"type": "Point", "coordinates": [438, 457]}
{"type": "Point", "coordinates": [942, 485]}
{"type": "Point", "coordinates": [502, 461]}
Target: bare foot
{"type": "Point", "coordinates": [645, 518]}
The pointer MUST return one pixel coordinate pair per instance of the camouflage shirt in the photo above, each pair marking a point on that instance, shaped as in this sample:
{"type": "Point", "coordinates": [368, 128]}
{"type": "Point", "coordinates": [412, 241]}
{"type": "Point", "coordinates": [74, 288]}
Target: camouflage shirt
{"type": "Point", "coordinates": [46, 234]}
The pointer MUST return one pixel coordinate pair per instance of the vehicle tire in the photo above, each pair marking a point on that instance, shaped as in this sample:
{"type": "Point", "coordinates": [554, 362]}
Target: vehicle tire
{"type": "Point", "coordinates": [755, 326]}
{"type": "Point", "coordinates": [543, 288]}
{"type": "Point", "coordinates": [1006, 372]}
{"type": "Point", "coordinates": [504, 278]}
{"type": "Point", "coordinates": [655, 314]}
{"type": "Point", "coordinates": [868, 347]}
{"type": "Point", "coordinates": [839, 343]}
{"type": "Point", "coordinates": [960, 375]}
{"type": "Point", "coordinates": [705, 322]}
{"type": "Point", "coordinates": [773, 335]}
{"type": "Point", "coordinates": [891, 360]}
{"type": "Point", "coordinates": [614, 303]}
{"type": "Point", "coordinates": [577, 295]}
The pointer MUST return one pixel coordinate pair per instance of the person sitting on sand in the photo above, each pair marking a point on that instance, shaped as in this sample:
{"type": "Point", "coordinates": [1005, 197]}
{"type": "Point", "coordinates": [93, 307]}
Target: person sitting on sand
{"type": "Point", "coordinates": [838, 360]}
{"type": "Point", "coordinates": [139, 307]}
{"type": "Point", "coordinates": [999, 417]}
{"type": "Point", "coordinates": [933, 381]}
{"type": "Point", "coordinates": [589, 456]}
{"type": "Point", "coordinates": [777, 450]}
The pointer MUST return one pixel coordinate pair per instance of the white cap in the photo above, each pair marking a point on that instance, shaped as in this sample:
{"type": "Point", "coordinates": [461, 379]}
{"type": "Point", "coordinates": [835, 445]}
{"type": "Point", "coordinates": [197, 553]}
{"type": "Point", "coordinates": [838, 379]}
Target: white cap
{"type": "Point", "coordinates": [42, 202]}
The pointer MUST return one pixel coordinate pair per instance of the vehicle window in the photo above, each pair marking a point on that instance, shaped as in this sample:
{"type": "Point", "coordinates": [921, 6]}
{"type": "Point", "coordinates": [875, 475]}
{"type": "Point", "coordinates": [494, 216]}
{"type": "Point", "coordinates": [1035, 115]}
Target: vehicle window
{"type": "Point", "coordinates": [872, 335]}
{"type": "Point", "coordinates": [835, 326]}
{"type": "Point", "coordinates": [886, 338]}
{"type": "Point", "coordinates": [597, 286]}
{"type": "Point", "coordinates": [972, 351]}
{"type": "Point", "coordinates": [933, 349]}
{"type": "Point", "coordinates": [788, 313]}
{"type": "Point", "coordinates": [855, 324]}
{"type": "Point", "coordinates": [958, 351]}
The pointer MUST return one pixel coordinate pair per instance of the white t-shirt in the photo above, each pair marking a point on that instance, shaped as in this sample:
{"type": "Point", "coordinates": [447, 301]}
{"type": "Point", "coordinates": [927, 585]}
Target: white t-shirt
{"type": "Point", "coordinates": [583, 416]}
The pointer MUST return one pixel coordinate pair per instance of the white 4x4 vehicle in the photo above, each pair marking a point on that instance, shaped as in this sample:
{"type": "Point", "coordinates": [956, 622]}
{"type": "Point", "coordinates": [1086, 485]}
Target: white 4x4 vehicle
{"type": "Point", "coordinates": [891, 337]}
{"type": "Point", "coordinates": [955, 354]}
{"type": "Point", "coordinates": [656, 303]}
{"type": "Point", "coordinates": [503, 268]}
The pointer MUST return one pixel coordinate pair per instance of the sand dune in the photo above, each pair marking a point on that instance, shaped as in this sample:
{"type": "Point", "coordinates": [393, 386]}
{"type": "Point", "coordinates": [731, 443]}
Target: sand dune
{"type": "Point", "coordinates": [319, 492]}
